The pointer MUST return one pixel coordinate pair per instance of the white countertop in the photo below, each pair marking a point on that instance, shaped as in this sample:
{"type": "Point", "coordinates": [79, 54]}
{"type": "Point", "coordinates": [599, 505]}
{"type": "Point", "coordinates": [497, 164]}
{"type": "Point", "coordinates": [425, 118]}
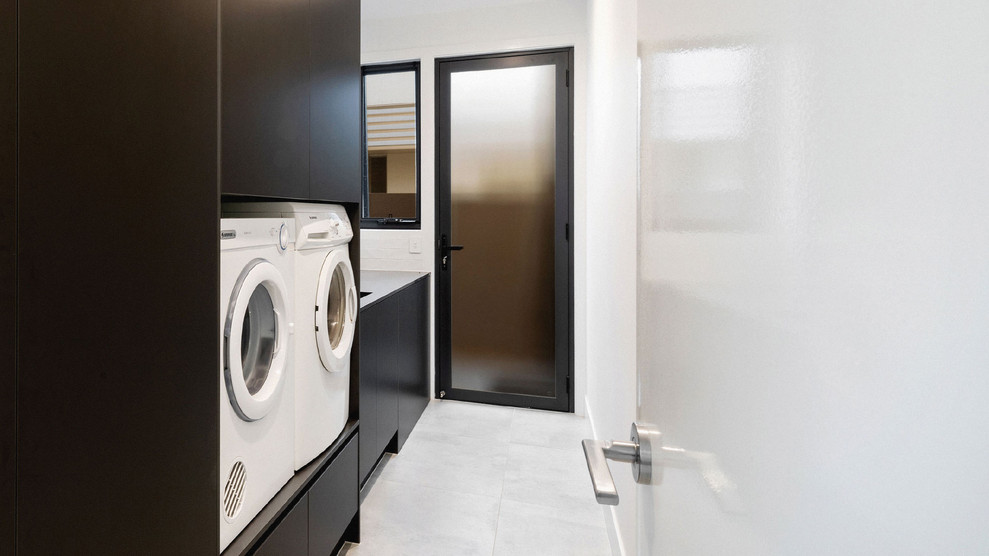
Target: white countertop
{"type": "Point", "coordinates": [383, 282]}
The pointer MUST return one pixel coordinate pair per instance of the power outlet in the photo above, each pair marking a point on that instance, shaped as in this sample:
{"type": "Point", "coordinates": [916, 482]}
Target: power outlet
{"type": "Point", "coordinates": [415, 246]}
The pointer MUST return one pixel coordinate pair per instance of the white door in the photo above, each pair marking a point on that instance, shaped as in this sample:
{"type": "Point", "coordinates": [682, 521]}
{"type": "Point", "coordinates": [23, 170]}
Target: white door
{"type": "Point", "coordinates": [814, 276]}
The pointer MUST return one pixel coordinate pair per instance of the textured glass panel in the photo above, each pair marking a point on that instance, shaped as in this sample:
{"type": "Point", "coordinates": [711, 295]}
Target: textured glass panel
{"type": "Point", "coordinates": [502, 160]}
{"type": "Point", "coordinates": [257, 341]}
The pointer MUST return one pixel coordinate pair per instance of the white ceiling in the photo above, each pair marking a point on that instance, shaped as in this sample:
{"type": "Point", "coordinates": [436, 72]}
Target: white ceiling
{"type": "Point", "coordinates": [386, 9]}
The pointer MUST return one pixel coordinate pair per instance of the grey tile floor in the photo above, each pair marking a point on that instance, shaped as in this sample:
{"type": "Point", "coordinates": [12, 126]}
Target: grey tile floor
{"type": "Point", "coordinates": [481, 479]}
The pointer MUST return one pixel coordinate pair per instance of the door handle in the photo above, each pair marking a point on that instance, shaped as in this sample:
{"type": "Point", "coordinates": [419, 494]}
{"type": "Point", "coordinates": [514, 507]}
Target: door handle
{"type": "Point", "coordinates": [445, 249]}
{"type": "Point", "coordinates": [645, 449]}
{"type": "Point", "coordinates": [638, 451]}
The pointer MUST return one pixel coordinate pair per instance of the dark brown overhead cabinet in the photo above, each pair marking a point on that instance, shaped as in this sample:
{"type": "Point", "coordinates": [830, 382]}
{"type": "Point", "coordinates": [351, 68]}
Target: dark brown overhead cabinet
{"type": "Point", "coordinates": [290, 99]}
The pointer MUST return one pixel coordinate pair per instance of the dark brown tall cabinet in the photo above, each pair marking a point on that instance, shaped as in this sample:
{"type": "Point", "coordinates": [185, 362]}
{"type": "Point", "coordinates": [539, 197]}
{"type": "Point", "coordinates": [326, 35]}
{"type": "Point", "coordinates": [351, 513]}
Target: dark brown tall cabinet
{"type": "Point", "coordinates": [8, 292]}
{"type": "Point", "coordinates": [109, 207]}
{"type": "Point", "coordinates": [290, 106]}
{"type": "Point", "coordinates": [117, 266]}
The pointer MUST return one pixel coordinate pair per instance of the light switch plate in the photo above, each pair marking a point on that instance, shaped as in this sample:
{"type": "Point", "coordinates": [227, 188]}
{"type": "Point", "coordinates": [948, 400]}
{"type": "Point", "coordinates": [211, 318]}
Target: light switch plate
{"type": "Point", "coordinates": [414, 245]}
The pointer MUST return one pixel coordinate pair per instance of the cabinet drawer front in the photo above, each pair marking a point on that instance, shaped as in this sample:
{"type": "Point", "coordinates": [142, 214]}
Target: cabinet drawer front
{"type": "Point", "coordinates": [333, 501]}
{"type": "Point", "coordinates": [289, 537]}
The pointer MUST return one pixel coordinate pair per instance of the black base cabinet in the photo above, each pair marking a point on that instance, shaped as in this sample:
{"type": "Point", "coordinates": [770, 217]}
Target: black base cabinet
{"type": "Point", "coordinates": [379, 404]}
{"type": "Point", "coordinates": [394, 353]}
{"type": "Point", "coordinates": [413, 355]}
{"type": "Point", "coordinates": [291, 536]}
{"type": "Point", "coordinates": [333, 502]}
{"type": "Point", "coordinates": [319, 522]}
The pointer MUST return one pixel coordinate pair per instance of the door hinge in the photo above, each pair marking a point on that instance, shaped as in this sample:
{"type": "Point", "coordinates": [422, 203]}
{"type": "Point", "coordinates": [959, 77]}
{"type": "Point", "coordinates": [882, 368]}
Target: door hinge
{"type": "Point", "coordinates": [566, 231]}
{"type": "Point", "coordinates": [568, 384]}
{"type": "Point", "coordinates": [568, 78]}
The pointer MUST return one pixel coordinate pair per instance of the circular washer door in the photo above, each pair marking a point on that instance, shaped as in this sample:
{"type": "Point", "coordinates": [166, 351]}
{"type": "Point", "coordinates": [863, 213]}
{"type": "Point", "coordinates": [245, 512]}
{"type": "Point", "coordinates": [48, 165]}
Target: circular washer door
{"type": "Point", "coordinates": [255, 340]}
{"type": "Point", "coordinates": [336, 310]}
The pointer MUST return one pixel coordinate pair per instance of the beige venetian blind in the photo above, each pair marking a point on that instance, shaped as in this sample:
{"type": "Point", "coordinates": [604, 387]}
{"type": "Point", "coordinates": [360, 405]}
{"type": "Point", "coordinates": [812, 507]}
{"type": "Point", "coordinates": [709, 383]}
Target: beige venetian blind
{"type": "Point", "coordinates": [391, 127]}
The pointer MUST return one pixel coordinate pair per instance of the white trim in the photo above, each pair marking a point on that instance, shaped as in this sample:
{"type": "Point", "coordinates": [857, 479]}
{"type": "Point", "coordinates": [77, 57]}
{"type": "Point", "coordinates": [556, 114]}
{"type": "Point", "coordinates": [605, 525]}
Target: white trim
{"type": "Point", "coordinates": [335, 360]}
{"type": "Point", "coordinates": [254, 407]}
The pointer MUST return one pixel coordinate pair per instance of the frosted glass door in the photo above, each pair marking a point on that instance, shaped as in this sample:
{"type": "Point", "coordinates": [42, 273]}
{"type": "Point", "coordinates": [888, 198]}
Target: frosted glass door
{"type": "Point", "coordinates": [508, 168]}
{"type": "Point", "coordinates": [502, 170]}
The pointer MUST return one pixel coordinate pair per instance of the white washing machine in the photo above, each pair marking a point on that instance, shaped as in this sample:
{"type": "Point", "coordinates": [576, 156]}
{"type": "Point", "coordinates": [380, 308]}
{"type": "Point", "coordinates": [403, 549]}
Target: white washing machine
{"type": "Point", "coordinates": [326, 313]}
{"type": "Point", "coordinates": [256, 367]}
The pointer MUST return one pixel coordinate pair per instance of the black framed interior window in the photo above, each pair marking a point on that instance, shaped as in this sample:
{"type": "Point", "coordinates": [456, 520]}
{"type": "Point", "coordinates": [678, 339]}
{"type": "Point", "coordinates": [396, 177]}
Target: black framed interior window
{"type": "Point", "coordinates": [391, 196]}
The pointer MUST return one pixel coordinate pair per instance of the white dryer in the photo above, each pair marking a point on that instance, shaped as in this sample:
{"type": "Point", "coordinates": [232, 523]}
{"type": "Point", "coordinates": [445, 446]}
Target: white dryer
{"type": "Point", "coordinates": [326, 313]}
{"type": "Point", "coordinates": [256, 374]}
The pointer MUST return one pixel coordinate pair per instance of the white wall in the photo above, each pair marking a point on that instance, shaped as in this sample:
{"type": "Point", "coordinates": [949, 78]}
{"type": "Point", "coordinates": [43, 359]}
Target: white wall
{"type": "Point", "coordinates": [508, 27]}
{"type": "Point", "coordinates": [611, 250]}
{"type": "Point", "coordinates": [390, 88]}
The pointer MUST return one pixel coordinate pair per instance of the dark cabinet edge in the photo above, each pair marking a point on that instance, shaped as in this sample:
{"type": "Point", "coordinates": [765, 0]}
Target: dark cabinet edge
{"type": "Point", "coordinates": [258, 530]}
{"type": "Point", "coordinates": [8, 273]}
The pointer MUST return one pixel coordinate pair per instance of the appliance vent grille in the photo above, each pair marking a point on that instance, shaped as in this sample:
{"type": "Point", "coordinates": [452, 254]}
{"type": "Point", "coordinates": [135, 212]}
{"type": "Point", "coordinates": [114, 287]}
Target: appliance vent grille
{"type": "Point", "coordinates": [233, 493]}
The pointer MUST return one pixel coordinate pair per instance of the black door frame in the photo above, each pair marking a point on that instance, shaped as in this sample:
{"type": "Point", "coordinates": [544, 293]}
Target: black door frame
{"type": "Point", "coordinates": [562, 58]}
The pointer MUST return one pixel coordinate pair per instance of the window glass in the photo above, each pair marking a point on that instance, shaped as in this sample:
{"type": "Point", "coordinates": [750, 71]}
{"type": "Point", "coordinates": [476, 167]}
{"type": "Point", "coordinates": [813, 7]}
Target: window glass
{"type": "Point", "coordinates": [391, 185]}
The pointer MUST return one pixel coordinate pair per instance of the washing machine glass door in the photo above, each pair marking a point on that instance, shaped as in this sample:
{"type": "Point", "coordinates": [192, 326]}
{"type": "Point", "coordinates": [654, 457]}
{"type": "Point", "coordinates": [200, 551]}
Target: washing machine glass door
{"type": "Point", "coordinates": [254, 342]}
{"type": "Point", "coordinates": [336, 310]}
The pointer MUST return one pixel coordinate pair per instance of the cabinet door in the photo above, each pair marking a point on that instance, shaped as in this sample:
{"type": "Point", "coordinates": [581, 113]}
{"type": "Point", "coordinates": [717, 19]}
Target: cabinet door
{"type": "Point", "coordinates": [265, 98]}
{"type": "Point", "coordinates": [413, 390]}
{"type": "Point", "coordinates": [367, 437]}
{"type": "Point", "coordinates": [118, 355]}
{"type": "Point", "coordinates": [291, 536]}
{"type": "Point", "coordinates": [8, 176]}
{"type": "Point", "coordinates": [333, 502]}
{"type": "Point", "coordinates": [388, 363]}
{"type": "Point", "coordinates": [379, 383]}
{"type": "Point", "coordinates": [335, 146]}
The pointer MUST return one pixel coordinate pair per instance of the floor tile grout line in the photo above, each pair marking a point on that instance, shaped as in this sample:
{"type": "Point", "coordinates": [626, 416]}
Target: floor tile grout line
{"type": "Point", "coordinates": [501, 496]}
{"type": "Point", "coordinates": [444, 490]}
{"type": "Point", "coordinates": [478, 438]}
{"type": "Point", "coordinates": [494, 541]}
{"type": "Point", "coordinates": [556, 508]}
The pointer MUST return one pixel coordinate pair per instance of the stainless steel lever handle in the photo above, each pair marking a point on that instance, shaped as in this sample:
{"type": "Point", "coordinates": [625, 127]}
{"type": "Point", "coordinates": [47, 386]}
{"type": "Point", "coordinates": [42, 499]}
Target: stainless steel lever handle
{"type": "Point", "coordinates": [645, 449]}
{"type": "Point", "coordinates": [596, 452]}
{"type": "Point", "coordinates": [638, 452]}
